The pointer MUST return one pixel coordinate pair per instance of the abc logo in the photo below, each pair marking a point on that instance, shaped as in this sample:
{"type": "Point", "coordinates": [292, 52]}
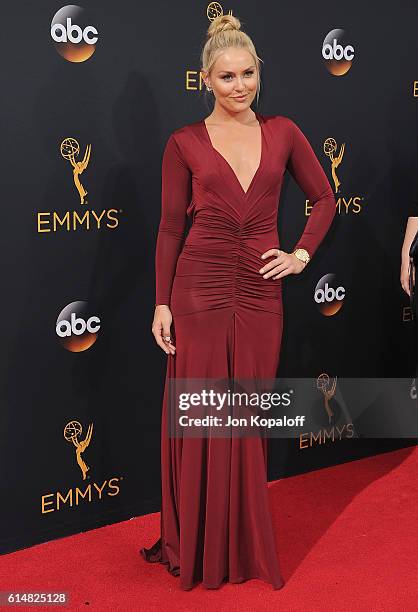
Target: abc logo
{"type": "Point", "coordinates": [76, 328]}
{"type": "Point", "coordinates": [74, 38]}
{"type": "Point", "coordinates": [337, 55]}
{"type": "Point", "coordinates": [328, 295]}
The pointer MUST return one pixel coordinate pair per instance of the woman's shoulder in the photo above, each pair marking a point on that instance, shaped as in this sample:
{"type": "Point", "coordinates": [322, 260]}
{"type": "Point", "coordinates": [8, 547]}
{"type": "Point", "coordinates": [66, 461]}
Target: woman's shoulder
{"type": "Point", "coordinates": [279, 126]}
{"type": "Point", "coordinates": [278, 121]}
{"type": "Point", "coordinates": [183, 140]}
{"type": "Point", "coordinates": [187, 129]}
{"type": "Point", "coordinates": [185, 134]}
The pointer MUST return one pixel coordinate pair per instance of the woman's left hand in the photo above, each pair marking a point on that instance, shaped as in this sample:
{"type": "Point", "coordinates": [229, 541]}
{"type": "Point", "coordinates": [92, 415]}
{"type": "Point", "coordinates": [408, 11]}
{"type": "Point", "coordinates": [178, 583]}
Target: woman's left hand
{"type": "Point", "coordinates": [282, 264]}
{"type": "Point", "coordinates": [405, 273]}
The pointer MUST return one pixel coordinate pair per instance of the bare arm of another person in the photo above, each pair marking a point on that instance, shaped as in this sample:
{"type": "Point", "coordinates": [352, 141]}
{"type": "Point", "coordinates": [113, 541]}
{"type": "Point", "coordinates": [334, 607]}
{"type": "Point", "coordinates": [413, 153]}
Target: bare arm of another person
{"type": "Point", "coordinates": [410, 231]}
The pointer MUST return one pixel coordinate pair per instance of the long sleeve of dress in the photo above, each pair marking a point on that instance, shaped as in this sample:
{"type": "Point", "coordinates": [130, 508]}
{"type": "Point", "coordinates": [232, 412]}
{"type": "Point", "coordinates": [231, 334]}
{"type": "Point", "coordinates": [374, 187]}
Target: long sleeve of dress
{"type": "Point", "coordinates": [176, 187]}
{"type": "Point", "coordinates": [311, 178]}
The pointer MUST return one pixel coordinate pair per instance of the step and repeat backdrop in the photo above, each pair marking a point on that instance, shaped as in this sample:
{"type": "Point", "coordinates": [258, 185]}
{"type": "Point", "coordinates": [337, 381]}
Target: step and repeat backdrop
{"type": "Point", "coordinates": [90, 96]}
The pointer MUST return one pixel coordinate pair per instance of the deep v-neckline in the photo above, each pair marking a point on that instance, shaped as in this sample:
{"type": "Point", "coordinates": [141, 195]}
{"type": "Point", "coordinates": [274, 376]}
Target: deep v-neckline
{"type": "Point", "coordinates": [245, 193]}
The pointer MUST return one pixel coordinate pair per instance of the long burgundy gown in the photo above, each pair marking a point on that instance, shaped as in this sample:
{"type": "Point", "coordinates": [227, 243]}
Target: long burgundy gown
{"type": "Point", "coordinates": [216, 523]}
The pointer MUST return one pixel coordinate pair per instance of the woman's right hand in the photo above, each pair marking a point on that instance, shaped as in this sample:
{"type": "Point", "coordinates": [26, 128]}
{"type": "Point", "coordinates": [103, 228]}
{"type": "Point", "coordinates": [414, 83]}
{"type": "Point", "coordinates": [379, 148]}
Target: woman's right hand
{"type": "Point", "coordinates": [161, 328]}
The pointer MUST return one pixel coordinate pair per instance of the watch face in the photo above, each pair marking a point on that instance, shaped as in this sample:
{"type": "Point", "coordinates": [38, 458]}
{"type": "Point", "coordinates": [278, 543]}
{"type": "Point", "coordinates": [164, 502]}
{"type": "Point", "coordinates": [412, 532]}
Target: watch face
{"type": "Point", "coordinates": [302, 254]}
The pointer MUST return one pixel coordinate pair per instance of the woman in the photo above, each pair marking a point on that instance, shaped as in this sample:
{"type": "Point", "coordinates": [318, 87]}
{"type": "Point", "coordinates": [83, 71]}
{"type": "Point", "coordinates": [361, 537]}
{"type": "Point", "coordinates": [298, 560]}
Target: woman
{"type": "Point", "coordinates": [219, 307]}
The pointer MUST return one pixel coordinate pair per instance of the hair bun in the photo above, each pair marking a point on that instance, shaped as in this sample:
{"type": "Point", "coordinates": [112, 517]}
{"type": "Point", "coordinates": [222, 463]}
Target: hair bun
{"type": "Point", "coordinates": [222, 23]}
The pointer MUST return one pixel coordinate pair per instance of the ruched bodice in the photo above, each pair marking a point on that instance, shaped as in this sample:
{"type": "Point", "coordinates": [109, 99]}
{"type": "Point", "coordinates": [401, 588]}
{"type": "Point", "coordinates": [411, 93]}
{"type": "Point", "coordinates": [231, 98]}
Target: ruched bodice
{"type": "Point", "coordinates": [219, 265]}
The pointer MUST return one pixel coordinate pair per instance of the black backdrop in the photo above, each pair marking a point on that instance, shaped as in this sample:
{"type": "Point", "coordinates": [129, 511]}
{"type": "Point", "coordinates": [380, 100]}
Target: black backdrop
{"type": "Point", "coordinates": [139, 85]}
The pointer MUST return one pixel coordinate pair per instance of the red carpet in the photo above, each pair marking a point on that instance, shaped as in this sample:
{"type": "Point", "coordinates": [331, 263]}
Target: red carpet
{"type": "Point", "coordinates": [347, 539]}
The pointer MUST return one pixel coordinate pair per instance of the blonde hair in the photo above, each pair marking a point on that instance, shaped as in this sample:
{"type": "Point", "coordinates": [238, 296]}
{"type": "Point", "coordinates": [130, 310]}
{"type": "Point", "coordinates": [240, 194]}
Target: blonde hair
{"type": "Point", "coordinates": [225, 31]}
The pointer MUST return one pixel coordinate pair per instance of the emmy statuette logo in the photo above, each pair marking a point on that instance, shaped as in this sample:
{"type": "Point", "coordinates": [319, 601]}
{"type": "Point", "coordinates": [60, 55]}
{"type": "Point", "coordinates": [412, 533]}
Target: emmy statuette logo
{"type": "Point", "coordinates": [72, 432]}
{"type": "Point", "coordinates": [328, 389]}
{"type": "Point", "coordinates": [330, 147]}
{"type": "Point", "coordinates": [214, 10]}
{"type": "Point", "coordinates": [339, 423]}
{"type": "Point", "coordinates": [70, 149]}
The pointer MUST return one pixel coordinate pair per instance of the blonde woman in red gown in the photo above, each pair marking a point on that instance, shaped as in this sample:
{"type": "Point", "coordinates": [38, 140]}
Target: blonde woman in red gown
{"type": "Point", "coordinates": [219, 308]}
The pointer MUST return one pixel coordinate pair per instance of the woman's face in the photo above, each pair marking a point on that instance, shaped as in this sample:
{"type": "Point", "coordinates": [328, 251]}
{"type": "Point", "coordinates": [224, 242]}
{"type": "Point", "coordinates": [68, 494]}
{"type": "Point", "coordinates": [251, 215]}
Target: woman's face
{"type": "Point", "coordinates": [233, 74]}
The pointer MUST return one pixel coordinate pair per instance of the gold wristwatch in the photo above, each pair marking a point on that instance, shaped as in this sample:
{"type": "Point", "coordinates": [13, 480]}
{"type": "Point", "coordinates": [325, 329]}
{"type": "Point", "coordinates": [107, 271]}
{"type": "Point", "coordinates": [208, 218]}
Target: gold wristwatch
{"type": "Point", "coordinates": [302, 254]}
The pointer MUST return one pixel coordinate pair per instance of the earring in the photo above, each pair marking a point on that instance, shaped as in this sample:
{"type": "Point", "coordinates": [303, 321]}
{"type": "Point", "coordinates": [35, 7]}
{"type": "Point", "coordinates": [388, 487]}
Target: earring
{"type": "Point", "coordinates": [208, 88]}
